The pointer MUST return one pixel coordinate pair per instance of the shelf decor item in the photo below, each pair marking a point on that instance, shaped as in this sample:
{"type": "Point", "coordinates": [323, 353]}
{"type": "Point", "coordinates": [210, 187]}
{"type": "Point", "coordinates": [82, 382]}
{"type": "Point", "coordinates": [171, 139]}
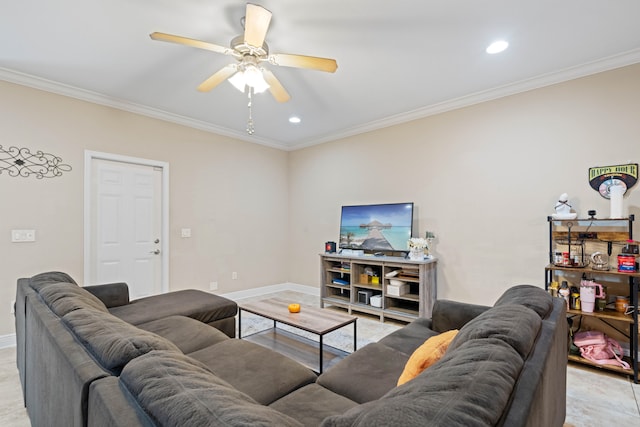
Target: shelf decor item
{"type": "Point", "coordinates": [602, 178]}
{"type": "Point", "coordinates": [417, 245]}
{"type": "Point", "coordinates": [616, 193]}
{"type": "Point", "coordinates": [563, 208]}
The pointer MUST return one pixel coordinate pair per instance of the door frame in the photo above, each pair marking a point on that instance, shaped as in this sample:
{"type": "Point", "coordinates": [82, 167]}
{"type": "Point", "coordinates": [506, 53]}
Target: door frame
{"type": "Point", "coordinates": [89, 156]}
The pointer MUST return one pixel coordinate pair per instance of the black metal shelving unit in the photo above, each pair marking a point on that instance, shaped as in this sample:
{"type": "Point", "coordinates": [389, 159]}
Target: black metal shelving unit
{"type": "Point", "coordinates": [622, 229]}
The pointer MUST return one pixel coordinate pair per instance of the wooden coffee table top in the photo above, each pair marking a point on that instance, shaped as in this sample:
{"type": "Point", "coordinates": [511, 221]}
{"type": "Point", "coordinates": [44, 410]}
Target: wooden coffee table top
{"type": "Point", "coordinates": [311, 319]}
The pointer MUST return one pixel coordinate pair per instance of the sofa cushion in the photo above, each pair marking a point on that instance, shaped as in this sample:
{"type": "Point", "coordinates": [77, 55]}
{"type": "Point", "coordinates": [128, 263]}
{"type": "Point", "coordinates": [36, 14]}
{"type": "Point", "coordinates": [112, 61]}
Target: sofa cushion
{"type": "Point", "coordinates": [193, 303]}
{"type": "Point", "coordinates": [312, 403]}
{"type": "Point", "coordinates": [426, 355]}
{"type": "Point", "coordinates": [408, 338]}
{"type": "Point", "coordinates": [514, 324]}
{"type": "Point", "coordinates": [42, 280]}
{"type": "Point", "coordinates": [366, 374]}
{"type": "Point", "coordinates": [111, 341]}
{"type": "Point", "coordinates": [66, 297]}
{"type": "Point", "coordinates": [261, 373]}
{"type": "Point", "coordinates": [175, 390]}
{"type": "Point", "coordinates": [111, 294]}
{"type": "Point", "coordinates": [448, 315]}
{"type": "Point", "coordinates": [470, 386]}
{"type": "Point", "coordinates": [530, 296]}
{"type": "Point", "coordinates": [186, 333]}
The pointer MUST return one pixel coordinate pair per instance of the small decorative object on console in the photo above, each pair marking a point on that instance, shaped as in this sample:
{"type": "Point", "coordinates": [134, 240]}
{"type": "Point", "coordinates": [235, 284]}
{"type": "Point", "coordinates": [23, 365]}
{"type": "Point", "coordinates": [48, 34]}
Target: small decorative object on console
{"type": "Point", "coordinates": [330, 247]}
{"type": "Point", "coordinates": [364, 296]}
{"type": "Point", "coordinates": [417, 246]}
{"type": "Point", "coordinates": [397, 288]}
{"type": "Point", "coordinates": [430, 237]}
{"type": "Point", "coordinates": [376, 301]}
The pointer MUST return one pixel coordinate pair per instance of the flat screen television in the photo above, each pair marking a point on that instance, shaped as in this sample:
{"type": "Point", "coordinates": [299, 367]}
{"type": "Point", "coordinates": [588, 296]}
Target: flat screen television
{"type": "Point", "coordinates": [383, 228]}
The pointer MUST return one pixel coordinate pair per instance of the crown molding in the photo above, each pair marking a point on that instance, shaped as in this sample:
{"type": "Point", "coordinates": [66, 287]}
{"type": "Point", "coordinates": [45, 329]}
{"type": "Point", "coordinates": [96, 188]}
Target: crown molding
{"type": "Point", "coordinates": [571, 73]}
{"type": "Point", "coordinates": [616, 61]}
{"type": "Point", "coordinates": [35, 82]}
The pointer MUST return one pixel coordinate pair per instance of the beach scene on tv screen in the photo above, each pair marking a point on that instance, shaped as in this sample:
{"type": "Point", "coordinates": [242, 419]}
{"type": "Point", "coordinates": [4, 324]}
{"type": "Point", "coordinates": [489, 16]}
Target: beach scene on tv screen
{"type": "Point", "coordinates": [376, 227]}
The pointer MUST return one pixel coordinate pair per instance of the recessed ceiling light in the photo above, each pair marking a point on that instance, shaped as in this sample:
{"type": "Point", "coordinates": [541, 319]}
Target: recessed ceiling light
{"type": "Point", "coordinates": [294, 119]}
{"type": "Point", "coordinates": [497, 46]}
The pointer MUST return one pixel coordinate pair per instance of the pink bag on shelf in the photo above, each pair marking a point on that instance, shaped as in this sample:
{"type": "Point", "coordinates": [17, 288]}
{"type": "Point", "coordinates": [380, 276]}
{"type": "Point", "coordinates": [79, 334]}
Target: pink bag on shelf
{"type": "Point", "coordinates": [599, 348]}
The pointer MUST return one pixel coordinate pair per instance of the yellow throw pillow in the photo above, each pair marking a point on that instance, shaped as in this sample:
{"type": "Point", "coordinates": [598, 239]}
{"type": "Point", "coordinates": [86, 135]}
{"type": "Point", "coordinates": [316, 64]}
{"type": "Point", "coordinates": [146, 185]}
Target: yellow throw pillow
{"type": "Point", "coordinates": [426, 355]}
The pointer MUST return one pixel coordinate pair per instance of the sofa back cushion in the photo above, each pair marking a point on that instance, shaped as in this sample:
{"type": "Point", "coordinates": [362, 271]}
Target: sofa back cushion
{"type": "Point", "coordinates": [42, 280]}
{"type": "Point", "coordinates": [515, 325]}
{"type": "Point", "coordinates": [177, 390]}
{"type": "Point", "coordinates": [470, 385]}
{"type": "Point", "coordinates": [66, 297]}
{"type": "Point", "coordinates": [530, 296]}
{"type": "Point", "coordinates": [467, 387]}
{"type": "Point", "coordinates": [111, 341]}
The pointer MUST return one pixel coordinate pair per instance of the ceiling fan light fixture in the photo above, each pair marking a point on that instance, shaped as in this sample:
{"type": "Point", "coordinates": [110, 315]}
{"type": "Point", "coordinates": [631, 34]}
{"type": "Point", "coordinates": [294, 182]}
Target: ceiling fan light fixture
{"type": "Point", "coordinates": [238, 81]}
{"type": "Point", "coordinates": [252, 77]}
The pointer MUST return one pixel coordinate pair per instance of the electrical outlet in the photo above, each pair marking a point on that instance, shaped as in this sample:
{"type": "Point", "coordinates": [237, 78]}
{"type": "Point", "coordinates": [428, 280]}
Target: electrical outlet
{"type": "Point", "coordinates": [234, 275]}
{"type": "Point", "coordinates": [213, 286]}
{"type": "Point", "coordinates": [185, 232]}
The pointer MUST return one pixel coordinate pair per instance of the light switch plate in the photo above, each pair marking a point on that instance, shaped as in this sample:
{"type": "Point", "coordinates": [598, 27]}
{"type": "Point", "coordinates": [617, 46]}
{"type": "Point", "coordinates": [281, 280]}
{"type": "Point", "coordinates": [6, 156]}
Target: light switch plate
{"type": "Point", "coordinates": [185, 232]}
{"type": "Point", "coordinates": [20, 236]}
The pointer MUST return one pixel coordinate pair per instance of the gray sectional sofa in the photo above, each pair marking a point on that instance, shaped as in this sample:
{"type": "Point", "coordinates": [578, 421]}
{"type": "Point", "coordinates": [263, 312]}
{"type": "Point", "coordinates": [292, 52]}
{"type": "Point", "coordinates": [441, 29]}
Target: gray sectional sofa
{"type": "Point", "coordinates": [506, 367]}
{"type": "Point", "coordinates": [55, 370]}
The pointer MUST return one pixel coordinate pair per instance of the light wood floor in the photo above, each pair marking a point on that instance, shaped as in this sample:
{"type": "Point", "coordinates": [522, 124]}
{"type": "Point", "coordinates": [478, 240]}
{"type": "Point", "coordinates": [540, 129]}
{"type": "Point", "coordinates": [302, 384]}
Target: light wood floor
{"type": "Point", "coordinates": [594, 398]}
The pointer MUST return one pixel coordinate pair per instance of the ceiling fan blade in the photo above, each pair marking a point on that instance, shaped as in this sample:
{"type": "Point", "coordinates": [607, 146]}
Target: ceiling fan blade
{"type": "Point", "coordinates": [275, 87]}
{"type": "Point", "coordinates": [217, 78]}
{"type": "Point", "coordinates": [190, 42]}
{"type": "Point", "coordinates": [256, 24]}
{"type": "Point", "coordinates": [301, 61]}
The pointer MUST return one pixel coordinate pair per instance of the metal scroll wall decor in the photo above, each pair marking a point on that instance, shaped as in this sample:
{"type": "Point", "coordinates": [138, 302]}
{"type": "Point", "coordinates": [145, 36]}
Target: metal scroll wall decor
{"type": "Point", "coordinates": [22, 162]}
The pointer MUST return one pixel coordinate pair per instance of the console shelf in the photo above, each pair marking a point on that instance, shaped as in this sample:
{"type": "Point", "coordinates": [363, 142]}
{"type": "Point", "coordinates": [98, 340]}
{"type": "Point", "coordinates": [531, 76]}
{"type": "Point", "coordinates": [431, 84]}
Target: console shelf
{"type": "Point", "coordinates": [351, 272]}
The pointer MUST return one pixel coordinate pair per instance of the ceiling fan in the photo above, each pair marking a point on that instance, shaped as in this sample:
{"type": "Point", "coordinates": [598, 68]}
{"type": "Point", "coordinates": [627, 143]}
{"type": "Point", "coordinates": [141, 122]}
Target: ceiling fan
{"type": "Point", "coordinates": [250, 51]}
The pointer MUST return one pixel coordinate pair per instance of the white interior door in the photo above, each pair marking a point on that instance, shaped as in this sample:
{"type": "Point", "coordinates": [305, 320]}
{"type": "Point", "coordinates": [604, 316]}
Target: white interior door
{"type": "Point", "coordinates": [126, 225]}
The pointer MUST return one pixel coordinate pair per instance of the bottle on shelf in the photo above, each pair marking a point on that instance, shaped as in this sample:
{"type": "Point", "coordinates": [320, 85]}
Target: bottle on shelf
{"type": "Point", "coordinates": [564, 292]}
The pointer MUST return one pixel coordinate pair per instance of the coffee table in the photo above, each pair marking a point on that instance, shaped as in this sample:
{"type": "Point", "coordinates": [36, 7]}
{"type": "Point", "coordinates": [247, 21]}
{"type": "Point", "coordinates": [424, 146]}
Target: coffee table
{"type": "Point", "coordinates": [317, 321]}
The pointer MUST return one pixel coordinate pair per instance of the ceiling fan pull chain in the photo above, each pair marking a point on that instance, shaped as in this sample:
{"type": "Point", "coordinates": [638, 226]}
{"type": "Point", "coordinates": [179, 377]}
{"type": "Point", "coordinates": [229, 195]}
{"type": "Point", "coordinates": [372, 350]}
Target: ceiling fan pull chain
{"type": "Point", "coordinates": [250, 128]}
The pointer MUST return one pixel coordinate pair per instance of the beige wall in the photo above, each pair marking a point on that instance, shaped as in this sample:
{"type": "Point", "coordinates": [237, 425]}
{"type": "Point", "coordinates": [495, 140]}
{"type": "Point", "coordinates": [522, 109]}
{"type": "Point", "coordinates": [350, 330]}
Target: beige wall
{"type": "Point", "coordinates": [232, 194]}
{"type": "Point", "coordinates": [483, 178]}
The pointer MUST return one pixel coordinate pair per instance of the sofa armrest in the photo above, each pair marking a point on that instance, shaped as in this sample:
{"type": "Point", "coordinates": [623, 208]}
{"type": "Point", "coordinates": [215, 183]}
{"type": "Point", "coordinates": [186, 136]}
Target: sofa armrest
{"type": "Point", "coordinates": [111, 294]}
{"type": "Point", "coordinates": [449, 315]}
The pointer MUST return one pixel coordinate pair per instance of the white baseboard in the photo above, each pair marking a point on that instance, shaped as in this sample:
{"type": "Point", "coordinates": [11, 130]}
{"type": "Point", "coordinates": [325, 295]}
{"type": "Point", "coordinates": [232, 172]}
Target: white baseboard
{"type": "Point", "coordinates": [7, 341]}
{"type": "Point", "coordinates": [264, 290]}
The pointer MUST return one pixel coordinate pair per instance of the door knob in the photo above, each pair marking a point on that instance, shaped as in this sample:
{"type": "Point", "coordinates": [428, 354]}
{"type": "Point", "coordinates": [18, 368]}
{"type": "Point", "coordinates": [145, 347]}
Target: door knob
{"type": "Point", "coordinates": [156, 241]}
{"type": "Point", "coordinates": [156, 252]}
